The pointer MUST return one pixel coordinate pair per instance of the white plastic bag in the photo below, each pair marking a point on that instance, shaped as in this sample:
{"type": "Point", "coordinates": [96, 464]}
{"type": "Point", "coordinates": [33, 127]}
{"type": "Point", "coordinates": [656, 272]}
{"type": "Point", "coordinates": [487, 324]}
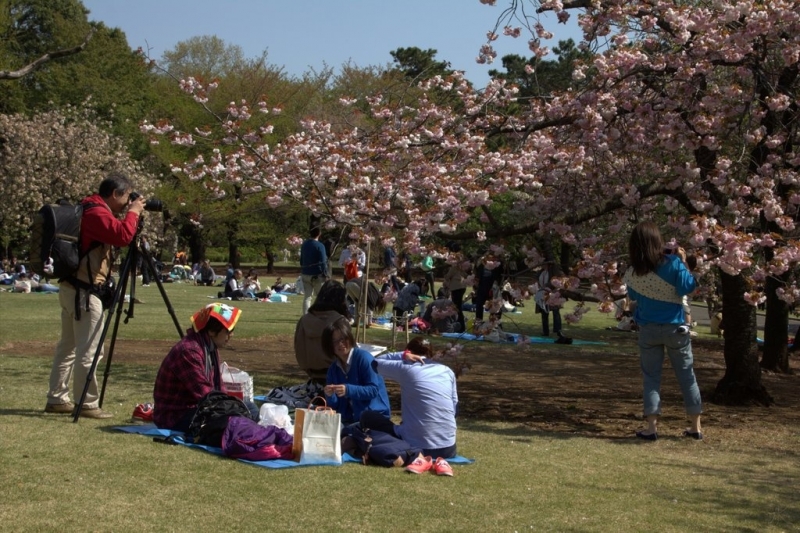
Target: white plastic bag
{"type": "Point", "coordinates": [272, 414]}
{"type": "Point", "coordinates": [237, 382]}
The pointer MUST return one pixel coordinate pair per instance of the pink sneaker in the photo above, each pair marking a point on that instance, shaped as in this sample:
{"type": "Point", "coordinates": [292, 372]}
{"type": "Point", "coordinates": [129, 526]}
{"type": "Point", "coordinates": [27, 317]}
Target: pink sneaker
{"type": "Point", "coordinates": [420, 465]}
{"type": "Point", "coordinates": [442, 467]}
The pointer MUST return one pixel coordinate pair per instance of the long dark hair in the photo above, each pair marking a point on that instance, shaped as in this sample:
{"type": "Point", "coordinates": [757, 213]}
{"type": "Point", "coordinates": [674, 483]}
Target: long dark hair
{"type": "Point", "coordinates": [645, 248]}
{"type": "Point", "coordinates": [332, 297]}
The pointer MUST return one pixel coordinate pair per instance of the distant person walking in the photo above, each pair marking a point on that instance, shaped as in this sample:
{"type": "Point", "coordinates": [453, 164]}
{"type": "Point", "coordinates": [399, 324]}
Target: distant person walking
{"type": "Point", "coordinates": [313, 267]}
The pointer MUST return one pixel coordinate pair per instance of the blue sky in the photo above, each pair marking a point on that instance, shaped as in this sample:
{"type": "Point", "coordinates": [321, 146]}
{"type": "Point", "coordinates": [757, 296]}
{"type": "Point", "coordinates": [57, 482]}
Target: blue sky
{"type": "Point", "coordinates": [304, 34]}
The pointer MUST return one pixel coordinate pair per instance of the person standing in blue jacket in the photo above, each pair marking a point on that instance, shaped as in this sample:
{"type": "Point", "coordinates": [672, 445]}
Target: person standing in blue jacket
{"type": "Point", "coordinates": [353, 386]}
{"type": "Point", "coordinates": [313, 267]}
{"type": "Point", "coordinates": [657, 282]}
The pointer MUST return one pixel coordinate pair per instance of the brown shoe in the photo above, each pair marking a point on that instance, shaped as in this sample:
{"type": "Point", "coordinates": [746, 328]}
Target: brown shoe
{"type": "Point", "coordinates": [95, 412]}
{"type": "Point", "coordinates": [60, 408]}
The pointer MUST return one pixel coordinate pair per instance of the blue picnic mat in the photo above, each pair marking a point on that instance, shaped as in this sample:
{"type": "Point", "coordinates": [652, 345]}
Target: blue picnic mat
{"type": "Point", "coordinates": [151, 430]}
{"type": "Point", "coordinates": [513, 338]}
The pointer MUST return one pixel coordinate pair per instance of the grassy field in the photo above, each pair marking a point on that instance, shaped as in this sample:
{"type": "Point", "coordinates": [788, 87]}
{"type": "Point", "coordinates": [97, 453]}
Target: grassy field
{"type": "Point", "coordinates": [60, 476]}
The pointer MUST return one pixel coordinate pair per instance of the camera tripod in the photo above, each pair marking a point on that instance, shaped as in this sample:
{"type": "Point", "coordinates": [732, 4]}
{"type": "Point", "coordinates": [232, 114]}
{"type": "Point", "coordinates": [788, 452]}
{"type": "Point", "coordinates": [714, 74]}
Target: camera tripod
{"type": "Point", "coordinates": [127, 272]}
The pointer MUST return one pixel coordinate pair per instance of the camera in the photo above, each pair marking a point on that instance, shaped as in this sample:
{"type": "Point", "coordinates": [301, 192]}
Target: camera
{"type": "Point", "coordinates": [149, 205]}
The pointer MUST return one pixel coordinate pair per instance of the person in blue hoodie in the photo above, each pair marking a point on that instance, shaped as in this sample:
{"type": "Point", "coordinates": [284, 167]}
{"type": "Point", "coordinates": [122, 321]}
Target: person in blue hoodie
{"type": "Point", "coordinates": [352, 385]}
{"type": "Point", "coordinates": [657, 282]}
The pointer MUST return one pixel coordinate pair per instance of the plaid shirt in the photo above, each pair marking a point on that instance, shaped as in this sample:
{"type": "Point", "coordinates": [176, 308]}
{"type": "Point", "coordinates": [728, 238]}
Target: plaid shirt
{"type": "Point", "coordinates": [181, 381]}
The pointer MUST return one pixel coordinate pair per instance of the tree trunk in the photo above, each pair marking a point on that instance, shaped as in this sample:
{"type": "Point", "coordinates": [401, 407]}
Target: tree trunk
{"type": "Point", "coordinates": [270, 258]}
{"type": "Point", "coordinates": [233, 245]}
{"type": "Point", "coordinates": [197, 243]}
{"type": "Point", "coordinates": [741, 384]}
{"type": "Point", "coordinates": [776, 329]}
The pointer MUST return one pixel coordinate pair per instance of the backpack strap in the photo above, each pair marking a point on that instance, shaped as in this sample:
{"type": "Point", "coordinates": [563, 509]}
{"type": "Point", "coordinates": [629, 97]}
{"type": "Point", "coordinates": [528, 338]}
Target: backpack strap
{"type": "Point", "coordinates": [78, 284]}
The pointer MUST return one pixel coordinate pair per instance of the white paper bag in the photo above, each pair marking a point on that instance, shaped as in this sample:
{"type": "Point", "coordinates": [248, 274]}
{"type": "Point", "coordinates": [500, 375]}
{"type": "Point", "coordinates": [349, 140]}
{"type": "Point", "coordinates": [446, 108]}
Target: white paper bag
{"type": "Point", "coordinates": [317, 436]}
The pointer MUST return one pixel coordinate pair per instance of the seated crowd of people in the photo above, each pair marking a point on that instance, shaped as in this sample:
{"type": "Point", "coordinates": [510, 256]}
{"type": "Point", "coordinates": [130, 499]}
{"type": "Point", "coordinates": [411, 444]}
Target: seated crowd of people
{"type": "Point", "coordinates": [350, 377]}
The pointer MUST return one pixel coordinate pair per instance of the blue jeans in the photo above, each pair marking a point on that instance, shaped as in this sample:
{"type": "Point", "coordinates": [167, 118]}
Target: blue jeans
{"type": "Point", "coordinates": [653, 340]}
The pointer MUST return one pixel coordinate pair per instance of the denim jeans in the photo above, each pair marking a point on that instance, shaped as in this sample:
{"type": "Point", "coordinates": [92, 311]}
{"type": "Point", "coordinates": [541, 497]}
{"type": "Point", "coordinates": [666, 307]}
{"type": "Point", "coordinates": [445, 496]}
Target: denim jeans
{"type": "Point", "coordinates": [653, 340]}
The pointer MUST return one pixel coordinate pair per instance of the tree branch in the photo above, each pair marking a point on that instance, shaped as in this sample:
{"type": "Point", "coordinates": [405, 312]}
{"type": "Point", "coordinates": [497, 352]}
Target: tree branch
{"type": "Point", "coordinates": [645, 191]}
{"type": "Point", "coordinates": [30, 67]}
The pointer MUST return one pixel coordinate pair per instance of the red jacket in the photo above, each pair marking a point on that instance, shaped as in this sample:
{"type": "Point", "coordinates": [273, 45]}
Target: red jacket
{"type": "Point", "coordinates": [100, 225]}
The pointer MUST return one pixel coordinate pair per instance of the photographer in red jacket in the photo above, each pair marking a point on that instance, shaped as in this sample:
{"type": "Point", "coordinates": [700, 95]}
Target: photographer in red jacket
{"type": "Point", "coordinates": [82, 309]}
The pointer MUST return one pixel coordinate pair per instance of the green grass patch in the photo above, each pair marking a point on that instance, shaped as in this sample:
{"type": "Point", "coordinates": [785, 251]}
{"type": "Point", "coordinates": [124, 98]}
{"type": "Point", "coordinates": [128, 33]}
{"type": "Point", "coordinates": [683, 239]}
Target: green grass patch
{"type": "Point", "coordinates": [60, 476]}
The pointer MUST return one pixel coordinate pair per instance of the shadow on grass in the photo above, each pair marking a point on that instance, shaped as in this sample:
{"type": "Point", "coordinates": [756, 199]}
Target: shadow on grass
{"type": "Point", "coordinates": [749, 487]}
{"type": "Point", "coordinates": [29, 413]}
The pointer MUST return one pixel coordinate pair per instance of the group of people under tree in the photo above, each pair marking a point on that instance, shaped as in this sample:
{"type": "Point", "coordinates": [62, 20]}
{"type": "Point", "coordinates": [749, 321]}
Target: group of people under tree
{"type": "Point", "coordinates": [326, 349]}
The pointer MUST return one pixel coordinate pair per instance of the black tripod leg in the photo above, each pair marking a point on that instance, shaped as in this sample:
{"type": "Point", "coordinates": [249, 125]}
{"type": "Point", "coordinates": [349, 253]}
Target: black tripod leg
{"type": "Point", "coordinates": [133, 257]}
{"type": "Point", "coordinates": [150, 264]}
{"type": "Point", "coordinates": [131, 261]}
{"type": "Point", "coordinates": [119, 302]}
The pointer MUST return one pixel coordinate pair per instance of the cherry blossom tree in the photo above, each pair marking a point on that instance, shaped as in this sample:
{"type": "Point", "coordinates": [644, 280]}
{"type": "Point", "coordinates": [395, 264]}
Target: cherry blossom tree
{"type": "Point", "coordinates": [691, 109]}
{"type": "Point", "coordinates": [54, 155]}
{"type": "Point", "coordinates": [684, 112]}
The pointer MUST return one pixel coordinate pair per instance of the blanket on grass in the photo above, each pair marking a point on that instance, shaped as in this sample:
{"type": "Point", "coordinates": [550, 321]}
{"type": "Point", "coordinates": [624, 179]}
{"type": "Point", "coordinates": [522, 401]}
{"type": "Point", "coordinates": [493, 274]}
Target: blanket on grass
{"type": "Point", "coordinates": [514, 338]}
{"type": "Point", "coordinates": [151, 430]}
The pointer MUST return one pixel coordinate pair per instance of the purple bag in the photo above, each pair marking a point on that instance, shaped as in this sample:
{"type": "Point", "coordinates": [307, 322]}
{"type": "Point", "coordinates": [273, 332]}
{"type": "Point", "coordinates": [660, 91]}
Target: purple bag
{"type": "Point", "coordinates": [243, 438]}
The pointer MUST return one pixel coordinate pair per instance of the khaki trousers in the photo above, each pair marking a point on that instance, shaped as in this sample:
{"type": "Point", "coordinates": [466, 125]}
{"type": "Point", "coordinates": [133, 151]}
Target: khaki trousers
{"type": "Point", "coordinates": [76, 348]}
{"type": "Point", "coordinates": [311, 287]}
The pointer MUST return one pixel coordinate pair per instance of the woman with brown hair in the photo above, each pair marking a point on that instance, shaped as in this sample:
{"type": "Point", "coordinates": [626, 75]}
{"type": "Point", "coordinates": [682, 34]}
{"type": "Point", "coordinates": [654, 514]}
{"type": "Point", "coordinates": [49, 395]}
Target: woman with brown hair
{"type": "Point", "coordinates": [657, 282]}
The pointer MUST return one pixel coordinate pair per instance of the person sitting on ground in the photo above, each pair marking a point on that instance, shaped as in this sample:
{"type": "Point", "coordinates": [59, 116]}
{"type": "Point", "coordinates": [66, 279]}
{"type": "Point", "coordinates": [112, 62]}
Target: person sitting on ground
{"type": "Point", "coordinates": [24, 284]}
{"type": "Point", "coordinates": [375, 302]}
{"type": "Point", "coordinates": [206, 275]}
{"type": "Point", "coordinates": [408, 298]}
{"type": "Point", "coordinates": [191, 369]}
{"type": "Point", "coordinates": [353, 386]}
{"type": "Point", "coordinates": [329, 306]}
{"type": "Point", "coordinates": [232, 288]}
{"type": "Point", "coordinates": [428, 409]}
{"type": "Point", "coordinates": [251, 285]}
{"type": "Point", "coordinates": [279, 285]}
{"type": "Point", "coordinates": [442, 315]}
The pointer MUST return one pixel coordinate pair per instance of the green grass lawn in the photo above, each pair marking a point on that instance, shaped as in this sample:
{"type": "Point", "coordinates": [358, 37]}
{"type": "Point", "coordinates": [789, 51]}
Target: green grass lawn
{"type": "Point", "coordinates": [61, 476]}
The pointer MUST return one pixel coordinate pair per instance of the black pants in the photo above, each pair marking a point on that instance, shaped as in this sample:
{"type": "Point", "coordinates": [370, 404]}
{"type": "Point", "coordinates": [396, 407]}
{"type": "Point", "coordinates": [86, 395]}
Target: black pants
{"type": "Point", "coordinates": [481, 296]}
{"type": "Point", "coordinates": [430, 279]}
{"type": "Point", "coordinates": [458, 299]}
{"type": "Point", "coordinates": [546, 321]}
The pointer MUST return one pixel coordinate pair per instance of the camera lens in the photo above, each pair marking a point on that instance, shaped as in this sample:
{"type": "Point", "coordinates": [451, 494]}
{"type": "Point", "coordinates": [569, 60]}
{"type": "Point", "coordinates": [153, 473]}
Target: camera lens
{"type": "Point", "coordinates": [149, 205]}
{"type": "Point", "coordinates": [154, 205]}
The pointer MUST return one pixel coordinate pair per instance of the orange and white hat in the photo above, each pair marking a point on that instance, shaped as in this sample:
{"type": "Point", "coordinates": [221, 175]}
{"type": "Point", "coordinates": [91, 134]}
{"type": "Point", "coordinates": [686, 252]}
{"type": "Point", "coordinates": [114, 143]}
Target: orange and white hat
{"type": "Point", "coordinates": [226, 314]}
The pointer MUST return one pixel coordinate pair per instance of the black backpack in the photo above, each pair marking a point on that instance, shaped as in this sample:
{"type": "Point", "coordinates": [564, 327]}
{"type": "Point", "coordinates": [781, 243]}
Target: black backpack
{"type": "Point", "coordinates": [211, 417]}
{"type": "Point", "coordinates": [56, 235]}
